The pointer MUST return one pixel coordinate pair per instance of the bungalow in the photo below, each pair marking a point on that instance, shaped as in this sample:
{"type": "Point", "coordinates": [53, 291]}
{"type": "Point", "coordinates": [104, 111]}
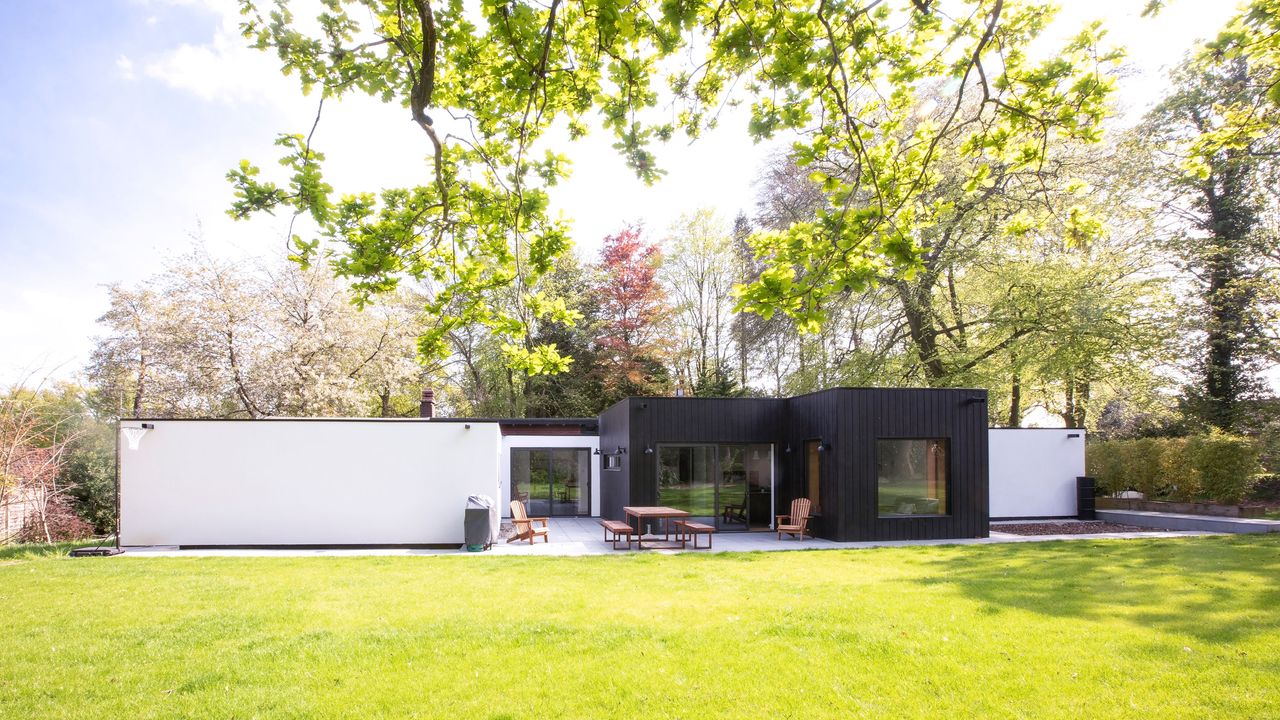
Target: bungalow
{"type": "Point", "coordinates": [876, 464]}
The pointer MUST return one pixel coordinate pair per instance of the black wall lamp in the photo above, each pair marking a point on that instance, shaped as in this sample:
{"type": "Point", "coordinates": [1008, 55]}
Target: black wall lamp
{"type": "Point", "coordinates": [597, 452]}
{"type": "Point", "coordinates": [622, 450]}
{"type": "Point", "coordinates": [824, 446]}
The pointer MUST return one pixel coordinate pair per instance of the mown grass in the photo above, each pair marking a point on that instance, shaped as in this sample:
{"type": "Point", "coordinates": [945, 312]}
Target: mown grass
{"type": "Point", "coordinates": [1185, 628]}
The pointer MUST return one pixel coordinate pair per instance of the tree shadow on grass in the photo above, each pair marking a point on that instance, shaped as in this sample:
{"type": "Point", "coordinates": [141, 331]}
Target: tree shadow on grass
{"type": "Point", "coordinates": [1215, 589]}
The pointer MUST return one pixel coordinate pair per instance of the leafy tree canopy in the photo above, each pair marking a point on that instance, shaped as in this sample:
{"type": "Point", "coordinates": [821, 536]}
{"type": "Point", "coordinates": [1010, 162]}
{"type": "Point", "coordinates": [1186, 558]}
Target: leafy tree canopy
{"type": "Point", "coordinates": [844, 78]}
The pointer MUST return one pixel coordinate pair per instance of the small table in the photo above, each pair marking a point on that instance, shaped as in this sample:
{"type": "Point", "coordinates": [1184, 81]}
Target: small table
{"type": "Point", "coordinates": [642, 513]}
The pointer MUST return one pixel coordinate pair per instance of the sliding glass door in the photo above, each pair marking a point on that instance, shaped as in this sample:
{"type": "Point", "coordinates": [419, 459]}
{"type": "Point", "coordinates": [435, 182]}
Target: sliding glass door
{"type": "Point", "coordinates": [552, 481]}
{"type": "Point", "coordinates": [730, 485]}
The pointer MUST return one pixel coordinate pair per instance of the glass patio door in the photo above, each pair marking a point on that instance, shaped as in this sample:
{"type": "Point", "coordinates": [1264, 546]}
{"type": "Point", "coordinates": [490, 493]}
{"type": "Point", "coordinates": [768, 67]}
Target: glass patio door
{"type": "Point", "coordinates": [729, 485]}
{"type": "Point", "coordinates": [552, 481]}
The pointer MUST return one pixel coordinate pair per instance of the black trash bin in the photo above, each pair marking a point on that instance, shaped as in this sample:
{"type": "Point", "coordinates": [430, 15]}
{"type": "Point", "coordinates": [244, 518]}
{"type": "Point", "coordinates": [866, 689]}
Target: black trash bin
{"type": "Point", "coordinates": [1086, 506]}
{"type": "Point", "coordinates": [480, 523]}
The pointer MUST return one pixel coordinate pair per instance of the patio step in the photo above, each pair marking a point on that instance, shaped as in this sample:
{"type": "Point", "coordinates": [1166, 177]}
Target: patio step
{"type": "Point", "coordinates": [1178, 521]}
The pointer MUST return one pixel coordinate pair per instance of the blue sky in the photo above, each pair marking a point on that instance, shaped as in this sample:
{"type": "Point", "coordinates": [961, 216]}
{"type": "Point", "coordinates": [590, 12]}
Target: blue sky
{"type": "Point", "coordinates": [121, 118]}
{"type": "Point", "coordinates": [100, 168]}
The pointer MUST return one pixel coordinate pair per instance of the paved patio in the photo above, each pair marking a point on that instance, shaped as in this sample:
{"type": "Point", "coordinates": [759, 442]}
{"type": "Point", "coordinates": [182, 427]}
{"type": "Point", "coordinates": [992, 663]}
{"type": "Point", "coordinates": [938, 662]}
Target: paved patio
{"type": "Point", "coordinates": [584, 536]}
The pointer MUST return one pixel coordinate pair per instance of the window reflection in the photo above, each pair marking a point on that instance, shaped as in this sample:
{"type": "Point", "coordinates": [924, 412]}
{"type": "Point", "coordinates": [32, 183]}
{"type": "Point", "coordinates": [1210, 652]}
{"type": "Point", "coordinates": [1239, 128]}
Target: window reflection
{"type": "Point", "coordinates": [912, 477]}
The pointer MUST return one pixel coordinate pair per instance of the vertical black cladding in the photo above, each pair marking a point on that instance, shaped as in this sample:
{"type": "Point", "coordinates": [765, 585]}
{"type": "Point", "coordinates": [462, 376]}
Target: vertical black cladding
{"type": "Point", "coordinates": [847, 421]}
{"type": "Point", "coordinates": [615, 484]}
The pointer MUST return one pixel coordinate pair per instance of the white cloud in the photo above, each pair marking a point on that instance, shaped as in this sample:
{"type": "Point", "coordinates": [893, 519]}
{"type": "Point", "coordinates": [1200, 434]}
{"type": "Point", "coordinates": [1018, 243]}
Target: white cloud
{"type": "Point", "coordinates": [125, 66]}
{"type": "Point", "coordinates": [224, 69]}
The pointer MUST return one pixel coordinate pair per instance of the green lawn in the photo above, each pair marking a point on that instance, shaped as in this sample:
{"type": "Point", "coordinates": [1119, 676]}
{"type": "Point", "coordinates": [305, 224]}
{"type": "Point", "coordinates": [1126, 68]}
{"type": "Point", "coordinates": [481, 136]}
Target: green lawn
{"type": "Point", "coordinates": [1186, 628]}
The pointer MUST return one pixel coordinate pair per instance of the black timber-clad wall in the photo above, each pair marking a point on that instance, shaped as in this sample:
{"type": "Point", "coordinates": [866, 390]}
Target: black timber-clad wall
{"type": "Point", "coordinates": [615, 485]}
{"type": "Point", "coordinates": [811, 417]}
{"type": "Point", "coordinates": [849, 419]}
{"type": "Point", "coordinates": [867, 415]}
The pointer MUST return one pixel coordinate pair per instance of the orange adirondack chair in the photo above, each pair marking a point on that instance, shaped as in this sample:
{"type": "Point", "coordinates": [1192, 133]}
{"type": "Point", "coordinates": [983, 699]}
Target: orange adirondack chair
{"type": "Point", "coordinates": [797, 523]}
{"type": "Point", "coordinates": [526, 526]}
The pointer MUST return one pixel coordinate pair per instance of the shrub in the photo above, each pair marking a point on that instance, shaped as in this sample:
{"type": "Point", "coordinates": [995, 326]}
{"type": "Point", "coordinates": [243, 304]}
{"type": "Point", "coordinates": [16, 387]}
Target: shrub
{"type": "Point", "coordinates": [1102, 463]}
{"type": "Point", "coordinates": [1215, 467]}
{"type": "Point", "coordinates": [1182, 477]}
{"type": "Point", "coordinates": [61, 521]}
{"type": "Point", "coordinates": [1266, 489]}
{"type": "Point", "coordinates": [1228, 465]}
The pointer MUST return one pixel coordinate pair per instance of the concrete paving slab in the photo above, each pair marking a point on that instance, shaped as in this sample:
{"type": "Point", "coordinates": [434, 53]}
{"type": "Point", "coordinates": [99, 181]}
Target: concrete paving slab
{"type": "Point", "coordinates": [572, 537]}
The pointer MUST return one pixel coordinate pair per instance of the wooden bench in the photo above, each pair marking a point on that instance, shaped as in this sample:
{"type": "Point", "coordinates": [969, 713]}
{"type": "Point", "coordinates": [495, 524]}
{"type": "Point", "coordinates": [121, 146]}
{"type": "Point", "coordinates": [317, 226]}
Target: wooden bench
{"type": "Point", "coordinates": [687, 530]}
{"type": "Point", "coordinates": [618, 529]}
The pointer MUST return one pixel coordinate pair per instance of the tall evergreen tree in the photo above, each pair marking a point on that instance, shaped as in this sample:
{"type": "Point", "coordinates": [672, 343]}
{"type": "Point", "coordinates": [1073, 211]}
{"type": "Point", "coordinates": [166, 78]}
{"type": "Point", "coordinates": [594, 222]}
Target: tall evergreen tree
{"type": "Point", "coordinates": [1218, 195]}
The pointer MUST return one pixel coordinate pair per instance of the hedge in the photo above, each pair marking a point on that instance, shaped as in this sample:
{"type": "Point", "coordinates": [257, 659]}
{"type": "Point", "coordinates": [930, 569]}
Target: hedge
{"type": "Point", "coordinates": [1214, 468]}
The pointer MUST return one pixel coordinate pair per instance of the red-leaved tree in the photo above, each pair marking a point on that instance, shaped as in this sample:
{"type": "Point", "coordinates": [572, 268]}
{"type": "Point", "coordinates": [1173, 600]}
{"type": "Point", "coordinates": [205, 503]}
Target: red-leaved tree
{"type": "Point", "coordinates": [633, 308]}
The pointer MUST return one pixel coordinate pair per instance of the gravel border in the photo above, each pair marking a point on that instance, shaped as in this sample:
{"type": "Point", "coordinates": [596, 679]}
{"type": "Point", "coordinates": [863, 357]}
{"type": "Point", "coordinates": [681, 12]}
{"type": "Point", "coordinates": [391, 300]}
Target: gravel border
{"type": "Point", "coordinates": [1084, 527]}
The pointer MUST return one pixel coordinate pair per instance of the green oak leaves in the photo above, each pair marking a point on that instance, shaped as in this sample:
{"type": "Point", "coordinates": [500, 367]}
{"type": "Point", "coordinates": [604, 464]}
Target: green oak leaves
{"type": "Point", "coordinates": [866, 91]}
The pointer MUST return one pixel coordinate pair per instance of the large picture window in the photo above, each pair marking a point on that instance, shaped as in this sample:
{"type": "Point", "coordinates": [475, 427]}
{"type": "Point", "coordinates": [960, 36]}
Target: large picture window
{"type": "Point", "coordinates": [728, 484]}
{"type": "Point", "coordinates": [912, 477]}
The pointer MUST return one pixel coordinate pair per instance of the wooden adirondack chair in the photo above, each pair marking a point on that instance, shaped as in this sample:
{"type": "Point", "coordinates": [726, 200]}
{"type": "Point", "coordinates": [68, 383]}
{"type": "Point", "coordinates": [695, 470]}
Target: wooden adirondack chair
{"type": "Point", "coordinates": [526, 527]}
{"type": "Point", "coordinates": [797, 523]}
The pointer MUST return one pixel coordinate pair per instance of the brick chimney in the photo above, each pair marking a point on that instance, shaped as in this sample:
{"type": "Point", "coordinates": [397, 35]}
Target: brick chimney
{"type": "Point", "coordinates": [427, 408]}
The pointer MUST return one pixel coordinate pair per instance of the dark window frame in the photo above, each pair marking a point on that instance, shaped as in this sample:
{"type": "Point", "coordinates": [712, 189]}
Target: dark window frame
{"type": "Point", "coordinates": [875, 456]}
{"type": "Point", "coordinates": [774, 468]}
{"type": "Point", "coordinates": [586, 488]}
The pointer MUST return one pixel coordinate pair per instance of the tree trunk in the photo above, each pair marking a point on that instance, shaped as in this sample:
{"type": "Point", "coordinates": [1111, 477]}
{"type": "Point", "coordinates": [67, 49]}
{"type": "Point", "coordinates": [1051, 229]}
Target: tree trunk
{"type": "Point", "coordinates": [1233, 218]}
{"type": "Point", "coordinates": [1082, 404]}
{"type": "Point", "coordinates": [1015, 400]}
{"type": "Point", "coordinates": [1222, 371]}
{"type": "Point", "coordinates": [140, 387]}
{"type": "Point", "coordinates": [922, 326]}
{"type": "Point", "coordinates": [1069, 410]}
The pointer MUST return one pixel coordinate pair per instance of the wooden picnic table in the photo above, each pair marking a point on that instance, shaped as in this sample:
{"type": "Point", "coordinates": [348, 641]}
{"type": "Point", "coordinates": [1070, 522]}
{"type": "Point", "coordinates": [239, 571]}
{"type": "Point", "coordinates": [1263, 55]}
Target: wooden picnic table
{"type": "Point", "coordinates": [644, 512]}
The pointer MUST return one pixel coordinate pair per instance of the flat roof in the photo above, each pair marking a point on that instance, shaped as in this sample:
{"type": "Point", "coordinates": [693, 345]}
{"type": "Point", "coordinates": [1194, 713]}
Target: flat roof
{"type": "Point", "coordinates": [280, 418]}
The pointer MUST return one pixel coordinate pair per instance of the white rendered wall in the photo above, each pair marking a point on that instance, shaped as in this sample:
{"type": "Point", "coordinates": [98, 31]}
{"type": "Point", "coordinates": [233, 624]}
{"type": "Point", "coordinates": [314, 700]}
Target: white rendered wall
{"type": "Point", "coordinates": [548, 441]}
{"type": "Point", "coordinates": [300, 482]}
{"type": "Point", "coordinates": [1033, 472]}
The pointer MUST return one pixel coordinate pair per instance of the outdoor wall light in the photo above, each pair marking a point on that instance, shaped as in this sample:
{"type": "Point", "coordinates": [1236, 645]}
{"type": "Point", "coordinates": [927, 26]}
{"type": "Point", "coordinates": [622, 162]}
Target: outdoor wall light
{"type": "Point", "coordinates": [597, 452]}
{"type": "Point", "coordinates": [622, 450]}
{"type": "Point", "coordinates": [787, 449]}
{"type": "Point", "coordinates": [148, 426]}
{"type": "Point", "coordinates": [824, 446]}
{"type": "Point", "coordinates": [1071, 435]}
{"type": "Point", "coordinates": [648, 450]}
{"type": "Point", "coordinates": [467, 426]}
